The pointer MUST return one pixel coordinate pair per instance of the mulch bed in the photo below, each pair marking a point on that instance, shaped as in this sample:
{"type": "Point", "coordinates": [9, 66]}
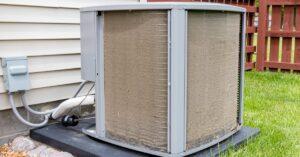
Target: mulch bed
{"type": "Point", "coordinates": [5, 151]}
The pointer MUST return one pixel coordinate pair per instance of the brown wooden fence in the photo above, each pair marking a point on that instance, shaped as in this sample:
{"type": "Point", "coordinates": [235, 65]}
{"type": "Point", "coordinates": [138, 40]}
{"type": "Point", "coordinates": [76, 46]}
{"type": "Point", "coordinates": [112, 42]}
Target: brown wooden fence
{"type": "Point", "coordinates": [250, 30]}
{"type": "Point", "coordinates": [279, 40]}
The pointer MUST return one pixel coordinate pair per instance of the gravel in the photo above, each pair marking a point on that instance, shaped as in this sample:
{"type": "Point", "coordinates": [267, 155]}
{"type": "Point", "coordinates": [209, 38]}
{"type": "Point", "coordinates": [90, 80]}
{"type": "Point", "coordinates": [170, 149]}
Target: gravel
{"type": "Point", "coordinates": [22, 144]}
{"type": "Point", "coordinates": [26, 147]}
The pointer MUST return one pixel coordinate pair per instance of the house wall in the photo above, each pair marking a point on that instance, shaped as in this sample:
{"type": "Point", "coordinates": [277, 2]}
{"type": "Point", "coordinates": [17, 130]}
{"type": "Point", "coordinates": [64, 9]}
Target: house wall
{"type": "Point", "coordinates": [48, 33]}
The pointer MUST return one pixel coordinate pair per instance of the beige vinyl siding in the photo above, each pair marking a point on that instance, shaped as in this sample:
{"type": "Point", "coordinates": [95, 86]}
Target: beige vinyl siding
{"type": "Point", "coordinates": [48, 32]}
{"type": "Point", "coordinates": [62, 3]}
{"type": "Point", "coordinates": [28, 14]}
{"type": "Point", "coordinates": [39, 47]}
{"type": "Point", "coordinates": [12, 31]}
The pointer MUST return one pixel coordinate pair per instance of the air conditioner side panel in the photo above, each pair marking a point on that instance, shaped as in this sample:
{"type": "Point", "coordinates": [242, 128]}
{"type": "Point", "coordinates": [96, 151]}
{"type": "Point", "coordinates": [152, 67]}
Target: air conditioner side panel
{"type": "Point", "coordinates": [136, 77]}
{"type": "Point", "coordinates": [212, 75]}
{"type": "Point", "coordinates": [89, 42]}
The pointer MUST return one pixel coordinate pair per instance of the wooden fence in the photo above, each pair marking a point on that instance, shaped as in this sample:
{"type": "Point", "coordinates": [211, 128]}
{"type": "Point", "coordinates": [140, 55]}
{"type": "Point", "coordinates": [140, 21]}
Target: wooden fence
{"type": "Point", "coordinates": [250, 30]}
{"type": "Point", "coordinates": [279, 42]}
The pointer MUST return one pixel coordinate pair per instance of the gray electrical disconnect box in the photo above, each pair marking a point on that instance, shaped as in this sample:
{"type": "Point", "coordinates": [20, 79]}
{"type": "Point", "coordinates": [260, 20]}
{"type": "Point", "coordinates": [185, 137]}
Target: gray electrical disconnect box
{"type": "Point", "coordinates": [16, 76]}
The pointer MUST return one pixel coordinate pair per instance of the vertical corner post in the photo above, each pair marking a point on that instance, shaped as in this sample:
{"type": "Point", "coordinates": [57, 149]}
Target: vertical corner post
{"type": "Point", "coordinates": [100, 101]}
{"type": "Point", "coordinates": [178, 106]}
{"type": "Point", "coordinates": [242, 69]}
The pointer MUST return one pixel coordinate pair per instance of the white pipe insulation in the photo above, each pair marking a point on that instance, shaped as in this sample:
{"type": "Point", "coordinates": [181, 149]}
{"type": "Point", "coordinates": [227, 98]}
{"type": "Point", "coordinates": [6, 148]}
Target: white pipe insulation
{"type": "Point", "coordinates": [71, 103]}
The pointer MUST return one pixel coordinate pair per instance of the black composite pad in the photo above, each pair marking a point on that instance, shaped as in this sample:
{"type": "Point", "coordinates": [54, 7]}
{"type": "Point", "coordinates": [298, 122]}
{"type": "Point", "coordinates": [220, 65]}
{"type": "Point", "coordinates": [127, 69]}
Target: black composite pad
{"type": "Point", "coordinates": [72, 140]}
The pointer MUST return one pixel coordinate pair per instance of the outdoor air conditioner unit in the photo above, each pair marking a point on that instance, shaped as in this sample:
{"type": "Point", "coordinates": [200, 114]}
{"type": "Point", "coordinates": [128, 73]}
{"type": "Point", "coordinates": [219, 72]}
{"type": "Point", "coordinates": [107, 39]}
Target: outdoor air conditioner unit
{"type": "Point", "coordinates": [169, 76]}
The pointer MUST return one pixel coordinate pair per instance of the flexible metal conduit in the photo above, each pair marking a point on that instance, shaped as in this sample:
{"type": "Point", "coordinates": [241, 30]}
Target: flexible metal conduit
{"type": "Point", "coordinates": [23, 98]}
{"type": "Point", "coordinates": [16, 112]}
{"type": "Point", "coordinates": [45, 113]}
{"type": "Point", "coordinates": [24, 102]}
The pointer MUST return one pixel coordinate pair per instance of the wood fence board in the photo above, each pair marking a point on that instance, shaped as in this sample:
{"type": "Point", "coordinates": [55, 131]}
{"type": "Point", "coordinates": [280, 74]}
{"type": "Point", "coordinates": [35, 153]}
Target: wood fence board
{"type": "Point", "coordinates": [250, 49]}
{"type": "Point", "coordinates": [287, 26]}
{"type": "Point", "coordinates": [234, 2]}
{"type": "Point", "coordinates": [251, 29]}
{"type": "Point", "coordinates": [274, 47]}
{"type": "Point", "coordinates": [290, 66]}
{"type": "Point", "coordinates": [283, 2]}
{"type": "Point", "coordinates": [249, 65]}
{"type": "Point", "coordinates": [287, 34]}
{"type": "Point", "coordinates": [261, 38]}
{"type": "Point", "coordinates": [297, 40]}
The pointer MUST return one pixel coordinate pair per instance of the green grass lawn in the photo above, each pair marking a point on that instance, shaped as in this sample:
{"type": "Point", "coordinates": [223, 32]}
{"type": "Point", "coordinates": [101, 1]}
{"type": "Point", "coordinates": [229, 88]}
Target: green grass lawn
{"type": "Point", "coordinates": [272, 104]}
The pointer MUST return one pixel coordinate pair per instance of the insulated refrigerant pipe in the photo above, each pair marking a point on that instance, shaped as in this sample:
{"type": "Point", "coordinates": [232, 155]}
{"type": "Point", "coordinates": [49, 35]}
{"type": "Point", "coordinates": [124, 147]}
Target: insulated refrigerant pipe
{"type": "Point", "coordinates": [71, 103]}
{"type": "Point", "coordinates": [80, 88]}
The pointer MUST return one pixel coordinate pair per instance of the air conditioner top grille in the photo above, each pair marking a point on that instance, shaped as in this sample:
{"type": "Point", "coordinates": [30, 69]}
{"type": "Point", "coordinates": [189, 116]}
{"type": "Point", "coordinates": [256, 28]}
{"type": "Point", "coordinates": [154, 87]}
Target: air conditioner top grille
{"type": "Point", "coordinates": [165, 6]}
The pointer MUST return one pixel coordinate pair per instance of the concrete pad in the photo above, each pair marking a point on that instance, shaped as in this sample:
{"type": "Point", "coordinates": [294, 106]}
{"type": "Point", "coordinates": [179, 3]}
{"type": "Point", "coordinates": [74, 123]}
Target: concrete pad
{"type": "Point", "coordinates": [72, 140]}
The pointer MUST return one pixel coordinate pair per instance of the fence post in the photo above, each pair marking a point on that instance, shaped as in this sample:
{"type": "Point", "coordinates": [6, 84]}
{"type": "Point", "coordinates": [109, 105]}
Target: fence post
{"type": "Point", "coordinates": [261, 38]}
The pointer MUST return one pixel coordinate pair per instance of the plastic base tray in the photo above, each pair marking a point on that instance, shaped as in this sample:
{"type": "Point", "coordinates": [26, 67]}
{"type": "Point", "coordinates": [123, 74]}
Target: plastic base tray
{"type": "Point", "coordinates": [71, 139]}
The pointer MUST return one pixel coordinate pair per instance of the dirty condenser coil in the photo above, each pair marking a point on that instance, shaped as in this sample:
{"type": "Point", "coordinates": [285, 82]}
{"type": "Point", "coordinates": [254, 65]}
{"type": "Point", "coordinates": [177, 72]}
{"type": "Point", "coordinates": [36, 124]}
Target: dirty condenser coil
{"type": "Point", "coordinates": [169, 76]}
